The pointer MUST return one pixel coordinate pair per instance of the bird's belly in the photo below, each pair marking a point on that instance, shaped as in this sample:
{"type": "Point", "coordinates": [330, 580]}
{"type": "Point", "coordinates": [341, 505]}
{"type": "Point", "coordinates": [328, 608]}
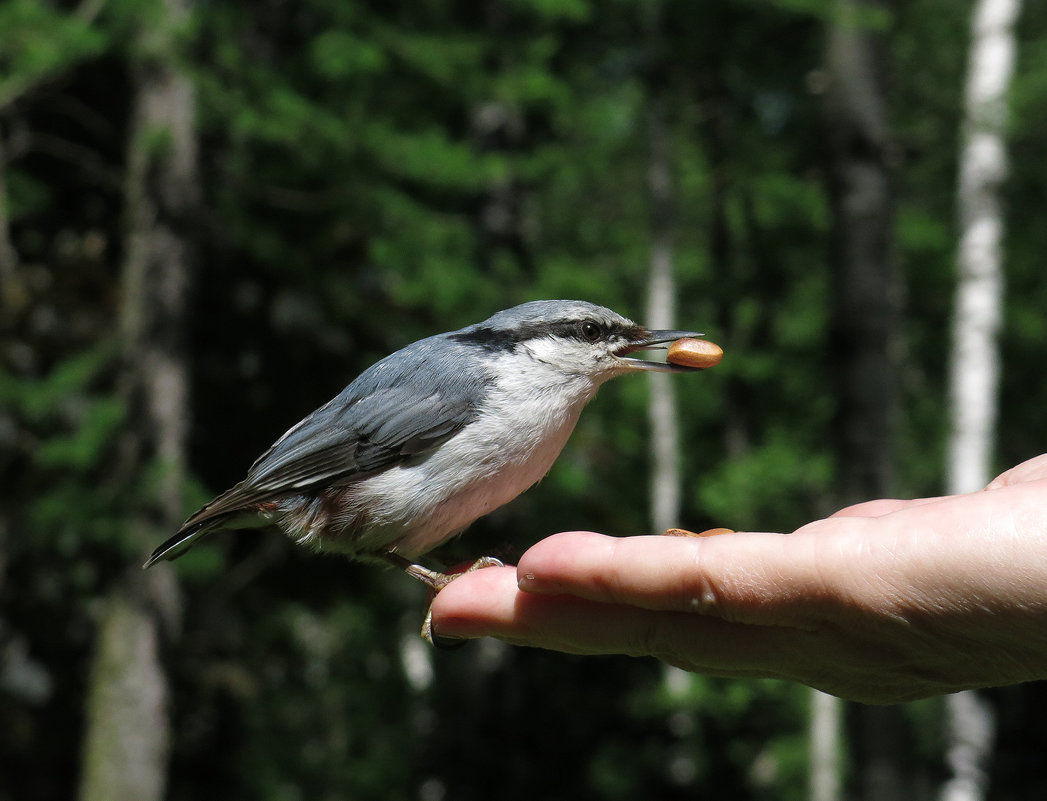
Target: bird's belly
{"type": "Point", "coordinates": [416, 507]}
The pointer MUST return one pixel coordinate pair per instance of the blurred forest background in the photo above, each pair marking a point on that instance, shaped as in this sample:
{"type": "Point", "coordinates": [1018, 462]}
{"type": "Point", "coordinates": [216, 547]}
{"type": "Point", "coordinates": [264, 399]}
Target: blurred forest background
{"type": "Point", "coordinates": [215, 214]}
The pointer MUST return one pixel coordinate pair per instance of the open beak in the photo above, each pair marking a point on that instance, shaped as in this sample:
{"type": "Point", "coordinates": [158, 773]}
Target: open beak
{"type": "Point", "coordinates": [657, 340]}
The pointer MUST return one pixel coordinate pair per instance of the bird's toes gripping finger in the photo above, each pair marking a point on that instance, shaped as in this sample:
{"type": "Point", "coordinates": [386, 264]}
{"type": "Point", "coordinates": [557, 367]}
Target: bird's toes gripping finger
{"type": "Point", "coordinates": [479, 564]}
{"type": "Point", "coordinates": [436, 582]}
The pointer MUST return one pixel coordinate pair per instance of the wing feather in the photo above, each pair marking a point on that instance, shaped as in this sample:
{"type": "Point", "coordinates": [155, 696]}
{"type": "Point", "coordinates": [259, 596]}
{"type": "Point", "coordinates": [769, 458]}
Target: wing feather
{"type": "Point", "coordinates": [396, 410]}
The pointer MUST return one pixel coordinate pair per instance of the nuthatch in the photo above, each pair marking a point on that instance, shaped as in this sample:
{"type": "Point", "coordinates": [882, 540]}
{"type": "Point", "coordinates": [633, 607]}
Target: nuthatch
{"type": "Point", "coordinates": [434, 436]}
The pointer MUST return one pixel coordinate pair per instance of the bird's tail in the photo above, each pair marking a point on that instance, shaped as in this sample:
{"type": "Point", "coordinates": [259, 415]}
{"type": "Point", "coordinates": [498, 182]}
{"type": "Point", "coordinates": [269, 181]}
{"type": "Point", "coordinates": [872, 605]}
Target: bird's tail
{"type": "Point", "coordinates": [181, 542]}
{"type": "Point", "coordinates": [219, 513]}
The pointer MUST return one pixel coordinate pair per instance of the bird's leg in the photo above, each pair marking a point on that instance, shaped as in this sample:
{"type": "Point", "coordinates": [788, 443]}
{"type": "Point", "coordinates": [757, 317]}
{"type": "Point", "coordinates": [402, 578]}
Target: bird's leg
{"type": "Point", "coordinates": [436, 581]}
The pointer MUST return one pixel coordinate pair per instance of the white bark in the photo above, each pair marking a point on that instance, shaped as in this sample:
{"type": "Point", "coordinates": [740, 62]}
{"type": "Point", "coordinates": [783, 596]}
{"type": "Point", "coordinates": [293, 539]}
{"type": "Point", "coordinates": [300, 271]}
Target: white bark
{"type": "Point", "coordinates": [661, 305]}
{"type": "Point", "coordinates": [974, 369]}
{"type": "Point", "coordinates": [825, 733]}
{"type": "Point", "coordinates": [979, 291]}
{"type": "Point", "coordinates": [970, 730]}
{"type": "Point", "coordinates": [666, 481]}
{"type": "Point", "coordinates": [665, 435]}
{"type": "Point", "coordinates": [126, 751]}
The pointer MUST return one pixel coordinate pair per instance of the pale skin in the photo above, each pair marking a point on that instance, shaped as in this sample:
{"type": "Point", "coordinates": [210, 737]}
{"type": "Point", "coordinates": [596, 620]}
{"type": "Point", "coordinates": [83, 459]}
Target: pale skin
{"type": "Point", "coordinates": [882, 602]}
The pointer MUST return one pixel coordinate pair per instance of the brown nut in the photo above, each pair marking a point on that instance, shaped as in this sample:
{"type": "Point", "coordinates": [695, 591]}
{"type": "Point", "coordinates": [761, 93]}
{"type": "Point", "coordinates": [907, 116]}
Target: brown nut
{"type": "Point", "coordinates": [699, 353]}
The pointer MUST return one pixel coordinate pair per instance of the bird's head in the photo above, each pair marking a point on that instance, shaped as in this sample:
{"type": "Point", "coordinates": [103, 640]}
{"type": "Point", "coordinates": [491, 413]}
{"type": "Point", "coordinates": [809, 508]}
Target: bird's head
{"type": "Point", "coordinates": [574, 337]}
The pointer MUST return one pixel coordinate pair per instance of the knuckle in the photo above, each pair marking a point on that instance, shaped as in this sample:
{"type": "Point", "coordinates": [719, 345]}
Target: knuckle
{"type": "Point", "coordinates": [654, 638]}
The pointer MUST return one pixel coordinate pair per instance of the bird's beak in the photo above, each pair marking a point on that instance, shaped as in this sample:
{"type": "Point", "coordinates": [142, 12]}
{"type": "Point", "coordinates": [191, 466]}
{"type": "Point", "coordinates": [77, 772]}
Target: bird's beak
{"type": "Point", "coordinates": [657, 340]}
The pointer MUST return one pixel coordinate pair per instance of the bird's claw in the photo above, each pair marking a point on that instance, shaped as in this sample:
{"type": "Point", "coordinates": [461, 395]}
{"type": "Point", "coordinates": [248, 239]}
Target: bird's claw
{"type": "Point", "coordinates": [437, 581]}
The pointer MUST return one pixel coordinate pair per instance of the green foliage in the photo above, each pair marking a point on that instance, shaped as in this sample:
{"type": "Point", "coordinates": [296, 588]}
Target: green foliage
{"type": "Point", "coordinates": [75, 429]}
{"type": "Point", "coordinates": [39, 43]}
{"type": "Point", "coordinates": [765, 753]}
{"type": "Point", "coordinates": [378, 172]}
{"type": "Point", "coordinates": [26, 196]}
{"type": "Point", "coordinates": [43, 400]}
{"type": "Point", "coordinates": [339, 55]}
{"type": "Point", "coordinates": [289, 750]}
{"type": "Point", "coordinates": [79, 451]}
{"type": "Point", "coordinates": [773, 483]}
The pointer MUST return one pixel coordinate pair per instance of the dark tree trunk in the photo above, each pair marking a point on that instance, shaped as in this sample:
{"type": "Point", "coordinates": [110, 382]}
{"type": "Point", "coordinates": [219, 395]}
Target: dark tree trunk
{"type": "Point", "coordinates": [127, 739]}
{"type": "Point", "coordinates": [9, 290]}
{"type": "Point", "coordinates": [864, 320]}
{"type": "Point", "coordinates": [864, 297]}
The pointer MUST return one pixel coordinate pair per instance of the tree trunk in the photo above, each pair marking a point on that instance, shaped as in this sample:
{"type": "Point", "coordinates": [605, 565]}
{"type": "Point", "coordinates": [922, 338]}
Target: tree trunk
{"type": "Point", "coordinates": [127, 739]}
{"type": "Point", "coordinates": [865, 316]}
{"type": "Point", "coordinates": [661, 303]}
{"type": "Point", "coordinates": [10, 296]}
{"type": "Point", "coordinates": [862, 335]}
{"type": "Point", "coordinates": [979, 290]}
{"type": "Point", "coordinates": [826, 728]}
{"type": "Point", "coordinates": [666, 482]}
{"type": "Point", "coordinates": [974, 368]}
{"type": "Point", "coordinates": [125, 754]}
{"type": "Point", "coordinates": [10, 300]}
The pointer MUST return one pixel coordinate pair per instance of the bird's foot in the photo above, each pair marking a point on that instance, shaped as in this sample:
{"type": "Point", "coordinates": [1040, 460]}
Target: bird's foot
{"type": "Point", "coordinates": [436, 581]}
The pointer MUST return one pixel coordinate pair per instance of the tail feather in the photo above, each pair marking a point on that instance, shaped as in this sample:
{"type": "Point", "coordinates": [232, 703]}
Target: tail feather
{"type": "Point", "coordinates": [203, 522]}
{"type": "Point", "coordinates": [217, 514]}
{"type": "Point", "coordinates": [181, 542]}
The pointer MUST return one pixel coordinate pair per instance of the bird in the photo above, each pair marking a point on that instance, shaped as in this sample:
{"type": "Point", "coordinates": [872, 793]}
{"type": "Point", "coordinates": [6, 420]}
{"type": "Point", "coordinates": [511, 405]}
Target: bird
{"type": "Point", "coordinates": [434, 436]}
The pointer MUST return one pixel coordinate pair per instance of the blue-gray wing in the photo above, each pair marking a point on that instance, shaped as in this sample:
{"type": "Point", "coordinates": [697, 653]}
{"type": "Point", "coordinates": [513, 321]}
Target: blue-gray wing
{"type": "Point", "coordinates": [349, 439]}
{"type": "Point", "coordinates": [401, 408]}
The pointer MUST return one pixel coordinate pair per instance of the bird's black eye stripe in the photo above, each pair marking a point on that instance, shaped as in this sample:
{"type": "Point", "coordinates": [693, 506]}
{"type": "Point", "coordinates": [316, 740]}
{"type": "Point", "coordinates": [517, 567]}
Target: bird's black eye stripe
{"type": "Point", "coordinates": [585, 330]}
{"type": "Point", "coordinates": [495, 340]}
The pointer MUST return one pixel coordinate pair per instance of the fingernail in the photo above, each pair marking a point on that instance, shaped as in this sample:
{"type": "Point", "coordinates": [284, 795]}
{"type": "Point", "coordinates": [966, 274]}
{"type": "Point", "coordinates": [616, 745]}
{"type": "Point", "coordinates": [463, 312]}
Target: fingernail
{"type": "Point", "coordinates": [448, 642]}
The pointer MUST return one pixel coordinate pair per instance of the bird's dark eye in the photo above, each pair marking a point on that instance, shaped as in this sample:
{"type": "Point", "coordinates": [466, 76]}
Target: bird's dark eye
{"type": "Point", "coordinates": [590, 331]}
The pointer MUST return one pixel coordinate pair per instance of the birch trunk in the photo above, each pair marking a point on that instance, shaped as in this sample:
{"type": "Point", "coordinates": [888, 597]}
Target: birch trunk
{"type": "Point", "coordinates": [863, 331]}
{"type": "Point", "coordinates": [825, 735]}
{"type": "Point", "coordinates": [661, 313]}
{"type": "Point", "coordinates": [979, 289]}
{"type": "Point", "coordinates": [126, 743]}
{"type": "Point", "coordinates": [665, 488]}
{"type": "Point", "coordinates": [974, 368]}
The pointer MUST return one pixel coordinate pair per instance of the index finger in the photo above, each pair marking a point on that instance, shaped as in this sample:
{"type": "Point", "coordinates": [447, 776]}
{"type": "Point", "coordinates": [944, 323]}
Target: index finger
{"type": "Point", "coordinates": [748, 577]}
{"type": "Point", "coordinates": [488, 603]}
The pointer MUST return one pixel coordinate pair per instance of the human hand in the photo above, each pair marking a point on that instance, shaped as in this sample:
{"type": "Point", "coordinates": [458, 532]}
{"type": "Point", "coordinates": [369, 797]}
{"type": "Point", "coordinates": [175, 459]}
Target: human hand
{"type": "Point", "coordinates": [883, 602]}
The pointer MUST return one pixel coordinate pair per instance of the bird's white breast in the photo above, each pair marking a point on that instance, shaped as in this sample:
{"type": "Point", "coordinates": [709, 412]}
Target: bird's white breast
{"type": "Point", "coordinates": [528, 415]}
